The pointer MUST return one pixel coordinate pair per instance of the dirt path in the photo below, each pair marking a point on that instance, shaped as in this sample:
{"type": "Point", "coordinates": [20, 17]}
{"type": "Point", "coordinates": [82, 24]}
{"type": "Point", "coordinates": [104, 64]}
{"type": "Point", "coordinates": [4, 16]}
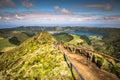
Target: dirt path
{"type": "Point", "coordinates": [89, 70]}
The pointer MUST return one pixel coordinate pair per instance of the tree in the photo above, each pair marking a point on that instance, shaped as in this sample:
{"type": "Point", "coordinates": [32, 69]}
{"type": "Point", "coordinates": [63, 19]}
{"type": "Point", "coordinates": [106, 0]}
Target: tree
{"type": "Point", "coordinates": [14, 40]}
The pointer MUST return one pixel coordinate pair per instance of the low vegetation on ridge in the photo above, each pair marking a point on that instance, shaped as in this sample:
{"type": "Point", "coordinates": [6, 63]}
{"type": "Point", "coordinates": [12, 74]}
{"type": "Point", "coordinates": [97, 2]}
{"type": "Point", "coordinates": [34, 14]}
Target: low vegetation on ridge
{"type": "Point", "coordinates": [36, 58]}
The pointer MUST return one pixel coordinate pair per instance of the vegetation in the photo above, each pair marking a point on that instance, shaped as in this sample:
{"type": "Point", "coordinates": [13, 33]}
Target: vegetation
{"type": "Point", "coordinates": [76, 40]}
{"type": "Point", "coordinates": [109, 44]}
{"type": "Point", "coordinates": [21, 36]}
{"type": "Point", "coordinates": [14, 40]}
{"type": "Point", "coordinates": [103, 61]}
{"type": "Point", "coordinates": [112, 43]}
{"type": "Point", "coordinates": [85, 38]}
{"type": "Point", "coordinates": [37, 58]}
{"type": "Point", "coordinates": [63, 37]}
{"type": "Point", "coordinates": [5, 43]}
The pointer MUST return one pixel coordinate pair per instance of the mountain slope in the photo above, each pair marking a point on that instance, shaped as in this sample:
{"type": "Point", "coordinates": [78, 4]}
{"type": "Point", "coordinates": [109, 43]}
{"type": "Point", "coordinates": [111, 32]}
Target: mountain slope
{"type": "Point", "coordinates": [37, 58]}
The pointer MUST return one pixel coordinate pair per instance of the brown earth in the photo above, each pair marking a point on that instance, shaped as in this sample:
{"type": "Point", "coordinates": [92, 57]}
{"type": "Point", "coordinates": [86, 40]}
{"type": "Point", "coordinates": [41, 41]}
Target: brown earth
{"type": "Point", "coordinates": [89, 70]}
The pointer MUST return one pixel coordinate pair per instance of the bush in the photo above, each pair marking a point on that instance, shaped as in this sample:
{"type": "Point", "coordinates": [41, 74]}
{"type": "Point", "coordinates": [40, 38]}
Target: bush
{"type": "Point", "coordinates": [86, 39]}
{"type": "Point", "coordinates": [14, 40]}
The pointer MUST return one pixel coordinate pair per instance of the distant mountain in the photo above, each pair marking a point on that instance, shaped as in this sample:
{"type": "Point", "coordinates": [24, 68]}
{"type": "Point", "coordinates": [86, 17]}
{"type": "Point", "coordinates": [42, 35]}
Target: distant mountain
{"type": "Point", "coordinates": [31, 30]}
{"type": "Point", "coordinates": [35, 59]}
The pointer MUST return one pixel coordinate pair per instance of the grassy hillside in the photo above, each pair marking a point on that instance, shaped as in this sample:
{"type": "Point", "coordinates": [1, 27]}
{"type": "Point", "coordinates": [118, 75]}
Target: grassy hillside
{"type": "Point", "coordinates": [37, 58]}
{"type": "Point", "coordinates": [5, 43]}
{"type": "Point", "coordinates": [63, 37]}
{"type": "Point", "coordinates": [21, 36]}
{"type": "Point", "coordinates": [12, 39]}
{"type": "Point", "coordinates": [76, 40]}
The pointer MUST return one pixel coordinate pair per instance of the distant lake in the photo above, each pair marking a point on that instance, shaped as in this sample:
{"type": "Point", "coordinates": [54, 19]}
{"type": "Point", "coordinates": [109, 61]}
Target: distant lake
{"type": "Point", "coordinates": [84, 33]}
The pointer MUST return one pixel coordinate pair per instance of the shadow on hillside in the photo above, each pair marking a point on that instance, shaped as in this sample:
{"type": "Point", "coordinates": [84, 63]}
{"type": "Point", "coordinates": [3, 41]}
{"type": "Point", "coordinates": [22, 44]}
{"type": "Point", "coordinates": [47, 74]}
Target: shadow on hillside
{"type": "Point", "coordinates": [1, 53]}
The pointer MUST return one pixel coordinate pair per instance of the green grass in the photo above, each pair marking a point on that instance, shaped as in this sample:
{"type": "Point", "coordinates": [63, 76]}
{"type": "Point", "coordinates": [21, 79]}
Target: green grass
{"type": "Point", "coordinates": [20, 36]}
{"type": "Point", "coordinates": [63, 37]}
{"type": "Point", "coordinates": [76, 40]}
{"type": "Point", "coordinates": [95, 38]}
{"type": "Point", "coordinates": [5, 43]}
{"type": "Point", "coordinates": [37, 58]}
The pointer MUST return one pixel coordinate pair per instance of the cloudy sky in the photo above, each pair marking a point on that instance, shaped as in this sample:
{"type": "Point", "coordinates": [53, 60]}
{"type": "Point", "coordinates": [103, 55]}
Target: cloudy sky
{"type": "Point", "coordinates": [99, 13]}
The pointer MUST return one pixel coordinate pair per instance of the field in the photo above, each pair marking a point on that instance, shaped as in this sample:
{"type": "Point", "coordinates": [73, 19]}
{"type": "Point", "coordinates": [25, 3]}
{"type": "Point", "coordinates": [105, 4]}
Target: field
{"type": "Point", "coordinates": [5, 43]}
{"type": "Point", "coordinates": [76, 39]}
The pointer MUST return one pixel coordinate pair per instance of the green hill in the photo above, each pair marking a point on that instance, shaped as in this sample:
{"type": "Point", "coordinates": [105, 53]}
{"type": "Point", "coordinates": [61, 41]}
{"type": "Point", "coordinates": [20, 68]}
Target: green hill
{"type": "Point", "coordinates": [35, 59]}
{"type": "Point", "coordinates": [5, 43]}
{"type": "Point", "coordinates": [63, 37]}
{"type": "Point", "coordinates": [12, 39]}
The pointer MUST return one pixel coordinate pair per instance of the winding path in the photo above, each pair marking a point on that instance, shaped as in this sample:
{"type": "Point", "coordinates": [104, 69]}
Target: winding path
{"type": "Point", "coordinates": [89, 70]}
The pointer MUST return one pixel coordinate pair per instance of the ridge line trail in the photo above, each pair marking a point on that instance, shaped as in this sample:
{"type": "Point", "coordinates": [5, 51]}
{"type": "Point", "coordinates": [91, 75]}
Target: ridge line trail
{"type": "Point", "coordinates": [89, 70]}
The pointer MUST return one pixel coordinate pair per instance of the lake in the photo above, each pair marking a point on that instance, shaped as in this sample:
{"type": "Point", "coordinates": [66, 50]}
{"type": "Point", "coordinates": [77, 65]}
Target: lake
{"type": "Point", "coordinates": [84, 33]}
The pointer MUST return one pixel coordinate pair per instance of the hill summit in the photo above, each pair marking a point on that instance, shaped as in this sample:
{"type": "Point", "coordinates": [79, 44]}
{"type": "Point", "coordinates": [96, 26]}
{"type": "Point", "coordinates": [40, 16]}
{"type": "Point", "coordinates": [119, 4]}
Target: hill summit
{"type": "Point", "coordinates": [44, 37]}
{"type": "Point", "coordinates": [35, 59]}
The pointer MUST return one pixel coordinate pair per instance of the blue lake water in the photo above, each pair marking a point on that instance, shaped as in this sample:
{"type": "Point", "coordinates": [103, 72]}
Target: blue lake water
{"type": "Point", "coordinates": [84, 33]}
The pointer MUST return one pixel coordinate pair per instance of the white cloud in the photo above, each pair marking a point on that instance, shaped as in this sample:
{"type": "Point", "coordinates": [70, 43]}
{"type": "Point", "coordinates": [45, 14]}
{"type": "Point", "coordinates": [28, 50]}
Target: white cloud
{"type": "Point", "coordinates": [65, 11]}
{"type": "Point", "coordinates": [19, 17]}
{"type": "Point", "coordinates": [111, 18]}
{"type": "Point", "coordinates": [53, 18]}
{"type": "Point", "coordinates": [7, 18]}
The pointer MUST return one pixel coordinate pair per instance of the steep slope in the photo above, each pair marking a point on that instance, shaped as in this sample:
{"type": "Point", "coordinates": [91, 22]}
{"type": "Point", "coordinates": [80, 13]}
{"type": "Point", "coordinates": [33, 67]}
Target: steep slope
{"type": "Point", "coordinates": [37, 58]}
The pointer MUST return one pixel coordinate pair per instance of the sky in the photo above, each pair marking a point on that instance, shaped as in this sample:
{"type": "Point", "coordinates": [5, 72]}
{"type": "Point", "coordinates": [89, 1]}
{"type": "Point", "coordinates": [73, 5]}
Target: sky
{"type": "Point", "coordinates": [95, 13]}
